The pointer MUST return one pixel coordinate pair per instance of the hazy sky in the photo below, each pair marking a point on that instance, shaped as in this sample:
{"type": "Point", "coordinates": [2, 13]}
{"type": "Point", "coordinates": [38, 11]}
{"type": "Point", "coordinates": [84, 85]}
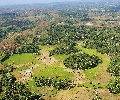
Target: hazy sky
{"type": "Point", "coordinates": [11, 2]}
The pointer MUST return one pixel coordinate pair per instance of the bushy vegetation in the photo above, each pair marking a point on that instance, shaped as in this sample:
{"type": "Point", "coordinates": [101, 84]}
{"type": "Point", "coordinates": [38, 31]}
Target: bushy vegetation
{"type": "Point", "coordinates": [64, 49]}
{"type": "Point", "coordinates": [96, 96]}
{"type": "Point", "coordinates": [31, 48]}
{"type": "Point", "coordinates": [58, 84]}
{"type": "Point", "coordinates": [58, 34]}
{"type": "Point", "coordinates": [82, 61]}
{"type": "Point", "coordinates": [114, 67]}
{"type": "Point", "coordinates": [114, 86]}
{"type": "Point", "coordinates": [28, 44]}
{"type": "Point", "coordinates": [105, 40]}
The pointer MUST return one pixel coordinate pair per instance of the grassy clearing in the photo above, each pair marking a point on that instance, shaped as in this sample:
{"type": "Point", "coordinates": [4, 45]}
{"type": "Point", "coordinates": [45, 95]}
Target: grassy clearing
{"type": "Point", "coordinates": [20, 59]}
{"type": "Point", "coordinates": [92, 73]}
{"type": "Point", "coordinates": [61, 57]}
{"type": "Point", "coordinates": [94, 52]}
{"type": "Point", "coordinates": [39, 68]}
{"type": "Point", "coordinates": [54, 71]}
{"type": "Point", "coordinates": [90, 51]}
{"type": "Point", "coordinates": [32, 86]}
{"type": "Point", "coordinates": [47, 47]}
{"type": "Point", "coordinates": [21, 68]}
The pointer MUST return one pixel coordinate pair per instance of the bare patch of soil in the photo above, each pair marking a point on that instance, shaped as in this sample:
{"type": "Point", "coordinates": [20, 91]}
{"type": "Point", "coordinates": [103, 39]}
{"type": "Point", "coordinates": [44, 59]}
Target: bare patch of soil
{"type": "Point", "coordinates": [106, 95]}
{"type": "Point", "coordinates": [17, 74]}
{"type": "Point", "coordinates": [24, 79]}
{"type": "Point", "coordinates": [79, 93]}
{"type": "Point", "coordinates": [46, 59]}
{"type": "Point", "coordinates": [89, 24]}
{"type": "Point", "coordinates": [74, 94]}
{"type": "Point", "coordinates": [26, 73]}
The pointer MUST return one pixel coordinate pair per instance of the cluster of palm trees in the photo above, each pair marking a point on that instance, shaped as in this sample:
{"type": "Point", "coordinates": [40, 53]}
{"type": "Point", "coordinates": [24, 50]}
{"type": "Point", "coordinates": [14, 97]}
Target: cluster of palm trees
{"type": "Point", "coordinates": [96, 97]}
{"type": "Point", "coordinates": [114, 86]}
{"type": "Point", "coordinates": [64, 49]}
{"type": "Point", "coordinates": [82, 61]}
{"type": "Point", "coordinates": [58, 34]}
{"type": "Point", "coordinates": [31, 48]}
{"type": "Point", "coordinates": [28, 44]}
{"type": "Point", "coordinates": [50, 81]}
{"type": "Point", "coordinates": [12, 90]}
{"type": "Point", "coordinates": [105, 40]}
{"type": "Point", "coordinates": [114, 67]}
